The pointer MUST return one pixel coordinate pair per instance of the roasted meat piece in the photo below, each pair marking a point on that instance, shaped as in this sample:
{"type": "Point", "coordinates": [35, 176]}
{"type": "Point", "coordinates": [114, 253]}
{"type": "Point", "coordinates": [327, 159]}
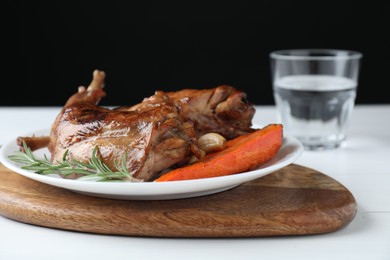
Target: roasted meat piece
{"type": "Point", "coordinates": [224, 109]}
{"type": "Point", "coordinates": [152, 140]}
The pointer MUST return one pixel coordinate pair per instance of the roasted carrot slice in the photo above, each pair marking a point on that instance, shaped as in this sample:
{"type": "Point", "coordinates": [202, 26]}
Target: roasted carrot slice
{"type": "Point", "coordinates": [241, 154]}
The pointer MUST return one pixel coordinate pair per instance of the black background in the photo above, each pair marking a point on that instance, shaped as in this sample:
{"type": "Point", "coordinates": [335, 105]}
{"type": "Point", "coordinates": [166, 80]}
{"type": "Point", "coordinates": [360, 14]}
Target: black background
{"type": "Point", "coordinates": [51, 47]}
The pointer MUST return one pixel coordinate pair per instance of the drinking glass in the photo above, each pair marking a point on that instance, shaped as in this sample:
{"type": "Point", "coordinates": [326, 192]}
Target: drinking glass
{"type": "Point", "coordinates": [314, 92]}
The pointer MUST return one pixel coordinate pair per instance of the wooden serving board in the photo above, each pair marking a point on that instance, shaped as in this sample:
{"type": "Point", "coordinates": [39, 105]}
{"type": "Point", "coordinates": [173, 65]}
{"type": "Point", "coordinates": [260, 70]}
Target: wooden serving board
{"type": "Point", "coordinates": [292, 201]}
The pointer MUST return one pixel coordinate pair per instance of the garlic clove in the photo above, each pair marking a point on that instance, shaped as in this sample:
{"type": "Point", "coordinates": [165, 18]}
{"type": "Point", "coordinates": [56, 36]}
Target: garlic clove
{"type": "Point", "coordinates": [212, 142]}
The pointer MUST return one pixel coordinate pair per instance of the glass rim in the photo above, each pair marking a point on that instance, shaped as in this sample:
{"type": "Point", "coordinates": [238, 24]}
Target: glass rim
{"type": "Point", "coordinates": [315, 54]}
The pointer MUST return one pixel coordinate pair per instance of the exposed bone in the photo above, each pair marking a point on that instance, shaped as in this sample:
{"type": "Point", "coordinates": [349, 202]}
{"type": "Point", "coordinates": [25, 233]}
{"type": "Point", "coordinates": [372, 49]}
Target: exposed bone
{"type": "Point", "coordinates": [93, 93]}
{"type": "Point", "coordinates": [97, 80]}
{"type": "Point", "coordinates": [33, 142]}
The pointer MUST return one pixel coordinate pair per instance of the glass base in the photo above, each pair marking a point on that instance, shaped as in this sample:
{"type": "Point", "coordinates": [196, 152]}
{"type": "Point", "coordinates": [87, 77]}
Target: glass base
{"type": "Point", "coordinates": [317, 145]}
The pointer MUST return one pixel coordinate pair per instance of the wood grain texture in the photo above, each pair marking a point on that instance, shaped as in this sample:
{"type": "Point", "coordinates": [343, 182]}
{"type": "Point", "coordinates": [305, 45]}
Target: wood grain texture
{"type": "Point", "coordinates": [292, 201]}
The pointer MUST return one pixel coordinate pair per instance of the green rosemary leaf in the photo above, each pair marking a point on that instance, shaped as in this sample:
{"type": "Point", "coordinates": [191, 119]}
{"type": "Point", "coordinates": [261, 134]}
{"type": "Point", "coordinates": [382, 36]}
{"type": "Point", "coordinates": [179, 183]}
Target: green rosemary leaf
{"type": "Point", "coordinates": [94, 170]}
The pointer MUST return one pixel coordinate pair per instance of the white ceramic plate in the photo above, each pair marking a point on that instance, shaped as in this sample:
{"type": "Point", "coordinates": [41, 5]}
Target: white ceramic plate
{"type": "Point", "coordinates": [289, 152]}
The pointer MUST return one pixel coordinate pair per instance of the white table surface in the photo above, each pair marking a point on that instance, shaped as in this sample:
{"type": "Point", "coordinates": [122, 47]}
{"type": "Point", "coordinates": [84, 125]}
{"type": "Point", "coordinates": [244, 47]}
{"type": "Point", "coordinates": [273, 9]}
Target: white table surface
{"type": "Point", "coordinates": [362, 165]}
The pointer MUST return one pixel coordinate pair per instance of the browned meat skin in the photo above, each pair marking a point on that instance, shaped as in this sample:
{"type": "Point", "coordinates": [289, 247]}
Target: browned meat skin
{"type": "Point", "coordinates": [151, 140]}
{"type": "Point", "coordinates": [222, 110]}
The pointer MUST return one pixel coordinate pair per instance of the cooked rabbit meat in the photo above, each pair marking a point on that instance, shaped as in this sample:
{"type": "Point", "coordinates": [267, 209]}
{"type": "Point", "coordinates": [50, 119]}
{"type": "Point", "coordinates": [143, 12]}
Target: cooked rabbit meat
{"type": "Point", "coordinates": [151, 140]}
{"type": "Point", "coordinates": [222, 110]}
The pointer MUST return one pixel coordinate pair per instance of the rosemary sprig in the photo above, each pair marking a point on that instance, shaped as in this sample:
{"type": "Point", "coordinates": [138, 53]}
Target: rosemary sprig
{"type": "Point", "coordinates": [94, 170]}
